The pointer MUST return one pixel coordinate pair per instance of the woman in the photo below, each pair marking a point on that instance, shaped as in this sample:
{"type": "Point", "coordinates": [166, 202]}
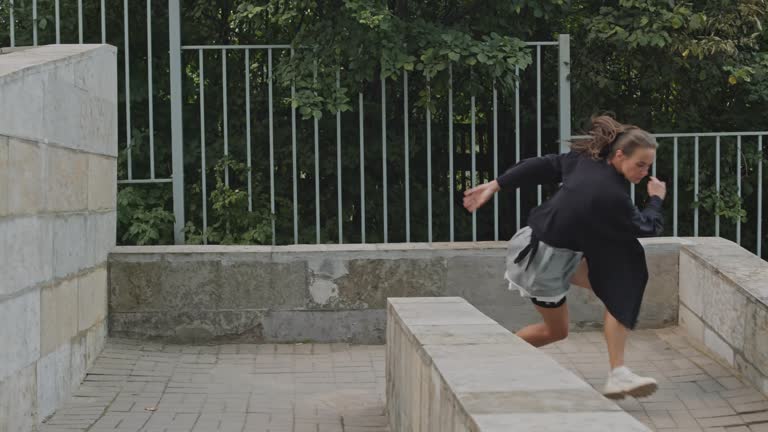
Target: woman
{"type": "Point", "coordinates": [586, 234]}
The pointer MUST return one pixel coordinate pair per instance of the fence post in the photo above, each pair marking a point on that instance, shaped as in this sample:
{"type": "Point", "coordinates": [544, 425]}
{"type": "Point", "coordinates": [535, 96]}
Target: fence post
{"type": "Point", "coordinates": [177, 149]}
{"type": "Point", "coordinates": [564, 87]}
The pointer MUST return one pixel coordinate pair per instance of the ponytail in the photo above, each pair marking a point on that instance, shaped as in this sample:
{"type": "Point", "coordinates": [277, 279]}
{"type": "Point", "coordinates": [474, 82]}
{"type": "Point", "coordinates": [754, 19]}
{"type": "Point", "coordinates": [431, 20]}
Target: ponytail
{"type": "Point", "coordinates": [607, 135]}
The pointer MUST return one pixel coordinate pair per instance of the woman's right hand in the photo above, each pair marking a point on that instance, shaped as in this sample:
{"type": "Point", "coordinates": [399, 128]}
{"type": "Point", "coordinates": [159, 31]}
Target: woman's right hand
{"type": "Point", "coordinates": [477, 196]}
{"type": "Point", "coordinates": [657, 188]}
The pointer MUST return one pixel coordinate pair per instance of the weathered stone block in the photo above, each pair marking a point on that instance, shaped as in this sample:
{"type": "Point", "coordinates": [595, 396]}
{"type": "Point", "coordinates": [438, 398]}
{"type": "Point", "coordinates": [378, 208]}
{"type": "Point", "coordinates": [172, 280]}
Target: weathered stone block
{"type": "Point", "coordinates": [102, 182]}
{"type": "Point", "coordinates": [371, 281]}
{"type": "Point", "coordinates": [135, 286]}
{"type": "Point", "coordinates": [22, 314]}
{"type": "Point", "coordinates": [718, 346]}
{"type": "Point", "coordinates": [26, 253]}
{"type": "Point", "coordinates": [53, 380]}
{"type": "Point", "coordinates": [18, 401]}
{"type": "Point", "coordinates": [4, 178]}
{"type": "Point", "coordinates": [189, 326]}
{"type": "Point", "coordinates": [67, 180]}
{"type": "Point", "coordinates": [69, 243]}
{"type": "Point", "coordinates": [692, 324]}
{"type": "Point", "coordinates": [26, 195]}
{"type": "Point", "coordinates": [101, 237]}
{"type": "Point", "coordinates": [261, 285]}
{"type": "Point", "coordinates": [62, 103]}
{"type": "Point", "coordinates": [98, 126]}
{"type": "Point", "coordinates": [22, 119]}
{"type": "Point", "coordinates": [92, 298]}
{"type": "Point", "coordinates": [58, 315]}
{"type": "Point", "coordinates": [756, 340]}
{"type": "Point", "coordinates": [693, 280]}
{"type": "Point", "coordinates": [725, 309]}
{"type": "Point", "coordinates": [352, 326]}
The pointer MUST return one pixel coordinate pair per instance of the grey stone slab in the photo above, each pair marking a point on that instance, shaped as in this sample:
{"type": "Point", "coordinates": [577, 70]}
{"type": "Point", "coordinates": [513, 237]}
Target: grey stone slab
{"type": "Point", "coordinates": [18, 400]}
{"type": "Point", "coordinates": [562, 422]}
{"type": "Point", "coordinates": [370, 282]}
{"type": "Point", "coordinates": [53, 380]}
{"type": "Point", "coordinates": [27, 253]}
{"type": "Point", "coordinates": [21, 346]}
{"type": "Point", "coordinates": [360, 327]}
{"type": "Point", "coordinates": [189, 326]}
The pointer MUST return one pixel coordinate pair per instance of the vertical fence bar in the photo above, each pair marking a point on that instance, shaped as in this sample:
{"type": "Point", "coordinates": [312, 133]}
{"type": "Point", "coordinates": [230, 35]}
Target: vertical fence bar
{"type": "Point", "coordinates": [226, 111]}
{"type": "Point", "coordinates": [103, 23]}
{"type": "Point", "coordinates": [451, 180]}
{"type": "Point", "coordinates": [655, 157]}
{"type": "Point", "coordinates": [294, 166]}
{"type": "Point", "coordinates": [57, 17]}
{"type": "Point", "coordinates": [517, 143]}
{"type": "Point", "coordinates": [338, 161]}
{"type": "Point", "coordinates": [738, 186]}
{"type": "Point", "coordinates": [128, 145]}
{"type": "Point", "coordinates": [696, 187]}
{"type": "Point", "coordinates": [538, 113]}
{"type": "Point", "coordinates": [34, 22]}
{"type": "Point", "coordinates": [80, 21]}
{"type": "Point", "coordinates": [632, 191]}
{"type": "Point", "coordinates": [248, 127]}
{"type": "Point", "coordinates": [150, 91]}
{"type": "Point", "coordinates": [759, 195]}
{"type": "Point", "coordinates": [407, 160]}
{"type": "Point", "coordinates": [674, 186]}
{"type": "Point", "coordinates": [177, 129]}
{"type": "Point", "coordinates": [472, 176]}
{"type": "Point", "coordinates": [384, 152]}
{"type": "Point", "coordinates": [271, 144]}
{"type": "Point", "coordinates": [317, 172]}
{"type": "Point", "coordinates": [13, 26]}
{"type": "Point", "coordinates": [202, 147]}
{"type": "Point", "coordinates": [495, 161]}
{"type": "Point", "coordinates": [362, 170]}
{"type": "Point", "coordinates": [429, 165]}
{"type": "Point", "coordinates": [717, 183]}
{"type": "Point", "coordinates": [564, 87]}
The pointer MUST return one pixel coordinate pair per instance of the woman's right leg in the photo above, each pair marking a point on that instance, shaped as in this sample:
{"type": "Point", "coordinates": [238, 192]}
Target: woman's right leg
{"type": "Point", "coordinates": [553, 329]}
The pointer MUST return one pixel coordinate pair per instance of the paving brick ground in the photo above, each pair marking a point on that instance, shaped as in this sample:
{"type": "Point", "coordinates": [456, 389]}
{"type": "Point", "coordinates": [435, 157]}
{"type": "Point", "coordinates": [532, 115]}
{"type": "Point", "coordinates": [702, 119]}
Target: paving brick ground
{"type": "Point", "coordinates": [145, 387]}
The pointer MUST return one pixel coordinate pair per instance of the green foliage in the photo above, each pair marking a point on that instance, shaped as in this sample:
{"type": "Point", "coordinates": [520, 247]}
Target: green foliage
{"type": "Point", "coordinates": [233, 222]}
{"type": "Point", "coordinates": [666, 65]}
{"type": "Point", "coordinates": [142, 218]}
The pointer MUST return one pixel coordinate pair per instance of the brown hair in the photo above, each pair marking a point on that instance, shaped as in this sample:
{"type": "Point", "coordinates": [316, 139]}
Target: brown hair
{"type": "Point", "coordinates": [607, 135]}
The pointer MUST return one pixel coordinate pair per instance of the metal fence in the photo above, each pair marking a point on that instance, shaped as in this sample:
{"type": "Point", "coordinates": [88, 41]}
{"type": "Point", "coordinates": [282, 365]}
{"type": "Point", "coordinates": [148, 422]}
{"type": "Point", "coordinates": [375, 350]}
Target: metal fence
{"type": "Point", "coordinates": [669, 154]}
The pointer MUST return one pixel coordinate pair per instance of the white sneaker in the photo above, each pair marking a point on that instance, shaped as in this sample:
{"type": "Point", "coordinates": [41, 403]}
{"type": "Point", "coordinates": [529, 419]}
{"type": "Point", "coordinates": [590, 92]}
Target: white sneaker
{"type": "Point", "coordinates": [622, 382]}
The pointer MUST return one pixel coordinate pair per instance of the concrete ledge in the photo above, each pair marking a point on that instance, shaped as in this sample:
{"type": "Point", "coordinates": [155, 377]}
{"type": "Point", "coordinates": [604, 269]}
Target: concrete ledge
{"type": "Point", "coordinates": [724, 304]}
{"type": "Point", "coordinates": [289, 293]}
{"type": "Point", "coordinates": [450, 367]}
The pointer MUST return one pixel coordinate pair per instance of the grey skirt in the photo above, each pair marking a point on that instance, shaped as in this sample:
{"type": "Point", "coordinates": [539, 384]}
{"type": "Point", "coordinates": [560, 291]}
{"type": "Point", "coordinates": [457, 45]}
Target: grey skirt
{"type": "Point", "coordinates": [546, 276]}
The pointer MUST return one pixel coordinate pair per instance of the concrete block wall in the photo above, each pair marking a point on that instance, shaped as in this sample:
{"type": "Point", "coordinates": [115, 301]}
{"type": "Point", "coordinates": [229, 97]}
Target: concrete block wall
{"type": "Point", "coordinates": [451, 368]}
{"type": "Point", "coordinates": [332, 293]}
{"type": "Point", "coordinates": [58, 148]}
{"type": "Point", "coordinates": [724, 305]}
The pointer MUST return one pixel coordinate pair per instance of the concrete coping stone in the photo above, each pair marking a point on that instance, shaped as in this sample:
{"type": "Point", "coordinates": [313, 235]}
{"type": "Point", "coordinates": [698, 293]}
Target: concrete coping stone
{"type": "Point", "coordinates": [499, 381]}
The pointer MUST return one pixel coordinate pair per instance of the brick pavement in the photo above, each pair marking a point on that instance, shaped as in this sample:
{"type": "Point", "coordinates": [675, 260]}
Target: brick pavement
{"type": "Point", "coordinates": [147, 387]}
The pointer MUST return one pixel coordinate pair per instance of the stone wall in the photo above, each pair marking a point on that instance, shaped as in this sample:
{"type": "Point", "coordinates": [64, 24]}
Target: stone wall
{"type": "Point", "coordinates": [451, 368]}
{"type": "Point", "coordinates": [723, 296]}
{"type": "Point", "coordinates": [58, 148]}
{"type": "Point", "coordinates": [330, 293]}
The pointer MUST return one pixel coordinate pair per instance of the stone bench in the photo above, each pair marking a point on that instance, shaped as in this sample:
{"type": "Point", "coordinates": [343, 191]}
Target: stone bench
{"type": "Point", "coordinates": [450, 368]}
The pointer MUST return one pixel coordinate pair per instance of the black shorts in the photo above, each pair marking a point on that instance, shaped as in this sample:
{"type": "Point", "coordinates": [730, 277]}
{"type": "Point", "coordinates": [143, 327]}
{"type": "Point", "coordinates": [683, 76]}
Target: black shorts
{"type": "Point", "coordinates": [548, 305]}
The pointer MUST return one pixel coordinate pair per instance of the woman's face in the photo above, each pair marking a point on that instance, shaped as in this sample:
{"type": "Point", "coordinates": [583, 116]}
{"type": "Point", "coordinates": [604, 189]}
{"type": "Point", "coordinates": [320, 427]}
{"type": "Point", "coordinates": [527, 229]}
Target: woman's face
{"type": "Point", "coordinates": [634, 168]}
